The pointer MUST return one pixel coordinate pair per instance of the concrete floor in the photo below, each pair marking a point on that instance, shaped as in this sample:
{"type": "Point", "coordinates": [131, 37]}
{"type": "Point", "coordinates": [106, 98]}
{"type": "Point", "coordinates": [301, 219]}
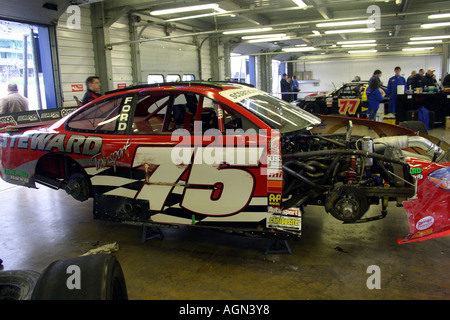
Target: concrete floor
{"type": "Point", "coordinates": [329, 262]}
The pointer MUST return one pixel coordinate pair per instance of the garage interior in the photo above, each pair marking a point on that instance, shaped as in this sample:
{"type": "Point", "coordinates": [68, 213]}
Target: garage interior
{"type": "Point", "coordinates": [126, 42]}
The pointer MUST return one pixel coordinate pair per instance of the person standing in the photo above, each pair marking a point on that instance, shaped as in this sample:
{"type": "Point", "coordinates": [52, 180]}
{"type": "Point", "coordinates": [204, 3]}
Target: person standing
{"type": "Point", "coordinates": [93, 89]}
{"type": "Point", "coordinates": [416, 81]}
{"type": "Point", "coordinates": [394, 82]}
{"type": "Point", "coordinates": [14, 101]}
{"type": "Point", "coordinates": [428, 79]}
{"type": "Point", "coordinates": [284, 87]}
{"type": "Point", "coordinates": [374, 97]}
{"type": "Point", "coordinates": [376, 75]}
{"type": "Point", "coordinates": [409, 80]}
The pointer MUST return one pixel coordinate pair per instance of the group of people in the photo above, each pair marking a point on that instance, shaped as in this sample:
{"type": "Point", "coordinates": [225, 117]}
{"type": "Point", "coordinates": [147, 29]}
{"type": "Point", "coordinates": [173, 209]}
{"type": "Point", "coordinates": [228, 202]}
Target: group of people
{"type": "Point", "coordinates": [15, 102]}
{"type": "Point", "coordinates": [420, 79]}
{"type": "Point", "coordinates": [289, 84]}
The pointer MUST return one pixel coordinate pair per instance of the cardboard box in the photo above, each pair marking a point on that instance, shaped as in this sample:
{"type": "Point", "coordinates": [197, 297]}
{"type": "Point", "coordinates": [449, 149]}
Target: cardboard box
{"type": "Point", "coordinates": [447, 123]}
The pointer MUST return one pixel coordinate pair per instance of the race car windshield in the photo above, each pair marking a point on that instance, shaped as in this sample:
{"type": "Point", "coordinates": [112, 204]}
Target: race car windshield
{"type": "Point", "coordinates": [279, 114]}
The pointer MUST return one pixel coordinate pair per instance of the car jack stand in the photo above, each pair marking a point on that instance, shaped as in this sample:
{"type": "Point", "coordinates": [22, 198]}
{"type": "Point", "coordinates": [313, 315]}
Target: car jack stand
{"type": "Point", "coordinates": [149, 233]}
{"type": "Point", "coordinates": [278, 246]}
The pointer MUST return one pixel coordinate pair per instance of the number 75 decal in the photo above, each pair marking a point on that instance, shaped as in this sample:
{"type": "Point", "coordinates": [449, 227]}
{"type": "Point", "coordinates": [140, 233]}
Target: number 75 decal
{"type": "Point", "coordinates": [211, 188]}
{"type": "Point", "coordinates": [348, 105]}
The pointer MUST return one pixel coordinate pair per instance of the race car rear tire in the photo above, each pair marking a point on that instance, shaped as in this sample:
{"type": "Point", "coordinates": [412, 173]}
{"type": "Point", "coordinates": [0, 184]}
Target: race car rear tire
{"type": "Point", "coordinates": [91, 277]}
{"type": "Point", "coordinates": [312, 107]}
{"type": "Point", "coordinates": [17, 284]}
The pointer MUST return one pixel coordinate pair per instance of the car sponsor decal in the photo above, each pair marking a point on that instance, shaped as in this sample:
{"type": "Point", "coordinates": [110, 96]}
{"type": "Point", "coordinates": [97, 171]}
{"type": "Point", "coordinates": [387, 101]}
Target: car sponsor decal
{"type": "Point", "coordinates": [78, 144]}
{"type": "Point", "coordinates": [237, 95]}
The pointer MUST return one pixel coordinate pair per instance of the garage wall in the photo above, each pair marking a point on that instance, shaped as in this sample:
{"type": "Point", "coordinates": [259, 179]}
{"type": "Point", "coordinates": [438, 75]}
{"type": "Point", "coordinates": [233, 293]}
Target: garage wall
{"type": "Point", "coordinates": [177, 56]}
{"type": "Point", "coordinates": [121, 55]}
{"type": "Point", "coordinates": [76, 55]}
{"type": "Point", "coordinates": [334, 73]}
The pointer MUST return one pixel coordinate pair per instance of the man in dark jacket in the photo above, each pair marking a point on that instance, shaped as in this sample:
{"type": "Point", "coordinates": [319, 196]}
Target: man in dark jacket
{"type": "Point", "coordinates": [428, 79]}
{"type": "Point", "coordinates": [285, 88]}
{"type": "Point", "coordinates": [93, 84]}
{"type": "Point", "coordinates": [417, 79]}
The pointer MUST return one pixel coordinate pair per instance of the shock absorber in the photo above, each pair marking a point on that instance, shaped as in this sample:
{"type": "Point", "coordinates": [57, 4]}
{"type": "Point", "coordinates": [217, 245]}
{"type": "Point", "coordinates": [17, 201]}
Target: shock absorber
{"type": "Point", "coordinates": [351, 172]}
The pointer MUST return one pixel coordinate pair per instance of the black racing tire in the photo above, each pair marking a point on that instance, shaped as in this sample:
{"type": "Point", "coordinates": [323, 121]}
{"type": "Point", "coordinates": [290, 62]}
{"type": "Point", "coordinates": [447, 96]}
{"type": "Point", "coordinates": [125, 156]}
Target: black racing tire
{"type": "Point", "coordinates": [17, 284]}
{"type": "Point", "coordinates": [100, 278]}
{"type": "Point", "coordinates": [415, 126]}
{"type": "Point", "coordinates": [312, 107]}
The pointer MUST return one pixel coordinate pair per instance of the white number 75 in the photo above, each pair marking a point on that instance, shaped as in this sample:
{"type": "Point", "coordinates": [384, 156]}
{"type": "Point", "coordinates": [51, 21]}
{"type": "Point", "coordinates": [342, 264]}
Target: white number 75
{"type": "Point", "coordinates": [211, 188]}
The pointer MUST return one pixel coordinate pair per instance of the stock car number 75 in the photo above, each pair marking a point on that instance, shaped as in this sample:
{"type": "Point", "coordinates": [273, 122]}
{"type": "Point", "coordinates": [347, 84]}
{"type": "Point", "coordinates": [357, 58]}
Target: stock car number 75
{"type": "Point", "coordinates": [211, 187]}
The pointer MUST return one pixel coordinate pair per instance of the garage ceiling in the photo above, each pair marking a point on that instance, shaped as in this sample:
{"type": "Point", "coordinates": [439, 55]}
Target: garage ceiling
{"type": "Point", "coordinates": [396, 21]}
{"type": "Point", "coordinates": [391, 22]}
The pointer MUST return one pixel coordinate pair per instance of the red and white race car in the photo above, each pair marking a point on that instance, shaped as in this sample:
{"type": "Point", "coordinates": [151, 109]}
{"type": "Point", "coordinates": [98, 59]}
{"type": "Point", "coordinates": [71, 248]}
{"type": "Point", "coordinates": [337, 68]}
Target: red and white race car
{"type": "Point", "coordinates": [226, 156]}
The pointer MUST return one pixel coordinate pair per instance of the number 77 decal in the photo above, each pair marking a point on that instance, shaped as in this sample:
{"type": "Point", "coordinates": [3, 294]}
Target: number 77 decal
{"type": "Point", "coordinates": [212, 188]}
{"type": "Point", "coordinates": [348, 105]}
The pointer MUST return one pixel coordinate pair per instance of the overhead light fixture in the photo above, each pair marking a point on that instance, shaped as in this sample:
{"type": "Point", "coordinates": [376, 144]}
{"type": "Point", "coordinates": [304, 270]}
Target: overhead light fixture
{"type": "Point", "coordinates": [362, 51]}
{"type": "Point", "coordinates": [300, 3]}
{"type": "Point", "coordinates": [260, 36]}
{"type": "Point", "coordinates": [435, 25]}
{"type": "Point", "coordinates": [301, 45]}
{"type": "Point", "coordinates": [425, 42]}
{"type": "Point", "coordinates": [350, 30]}
{"type": "Point", "coordinates": [344, 23]}
{"type": "Point", "coordinates": [247, 30]}
{"type": "Point", "coordinates": [356, 41]}
{"type": "Point", "coordinates": [269, 39]}
{"type": "Point", "coordinates": [217, 11]}
{"type": "Point", "coordinates": [439, 16]}
{"type": "Point", "coordinates": [300, 49]}
{"type": "Point", "coordinates": [317, 33]}
{"type": "Point", "coordinates": [418, 49]}
{"type": "Point", "coordinates": [358, 45]}
{"type": "Point", "coordinates": [430, 38]}
{"type": "Point", "coordinates": [185, 9]}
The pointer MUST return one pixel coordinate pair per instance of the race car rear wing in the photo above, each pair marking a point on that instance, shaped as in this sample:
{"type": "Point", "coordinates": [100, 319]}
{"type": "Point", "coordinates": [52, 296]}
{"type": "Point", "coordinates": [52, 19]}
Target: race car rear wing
{"type": "Point", "coordinates": [30, 119]}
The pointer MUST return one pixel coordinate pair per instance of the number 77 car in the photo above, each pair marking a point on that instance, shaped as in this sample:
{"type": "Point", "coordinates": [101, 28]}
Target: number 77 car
{"type": "Point", "coordinates": [226, 156]}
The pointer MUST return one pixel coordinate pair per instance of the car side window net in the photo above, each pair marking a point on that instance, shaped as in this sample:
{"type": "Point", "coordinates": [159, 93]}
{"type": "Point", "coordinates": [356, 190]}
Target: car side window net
{"type": "Point", "coordinates": [102, 116]}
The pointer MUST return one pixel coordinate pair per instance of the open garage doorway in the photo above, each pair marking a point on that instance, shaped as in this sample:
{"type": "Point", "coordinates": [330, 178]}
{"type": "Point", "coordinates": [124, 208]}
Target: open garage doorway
{"type": "Point", "coordinates": [20, 62]}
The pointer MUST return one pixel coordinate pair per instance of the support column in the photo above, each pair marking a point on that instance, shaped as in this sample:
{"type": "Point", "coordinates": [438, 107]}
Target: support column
{"type": "Point", "coordinates": [135, 51]}
{"type": "Point", "coordinates": [265, 67]}
{"type": "Point", "coordinates": [214, 56]}
{"type": "Point", "coordinates": [445, 62]}
{"type": "Point", "coordinates": [102, 54]}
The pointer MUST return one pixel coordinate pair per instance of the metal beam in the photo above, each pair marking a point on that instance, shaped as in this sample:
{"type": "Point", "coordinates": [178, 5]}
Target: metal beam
{"type": "Point", "coordinates": [102, 55]}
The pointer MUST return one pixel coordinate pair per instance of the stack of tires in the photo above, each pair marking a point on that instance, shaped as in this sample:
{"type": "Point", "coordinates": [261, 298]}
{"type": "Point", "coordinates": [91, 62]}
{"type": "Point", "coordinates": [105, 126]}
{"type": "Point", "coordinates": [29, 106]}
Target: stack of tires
{"type": "Point", "coordinates": [92, 277]}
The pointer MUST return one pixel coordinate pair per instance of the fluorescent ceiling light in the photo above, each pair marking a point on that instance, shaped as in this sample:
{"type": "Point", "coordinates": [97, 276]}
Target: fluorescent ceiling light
{"type": "Point", "coordinates": [358, 45]}
{"type": "Point", "coordinates": [362, 51]}
{"type": "Point", "coordinates": [260, 36]}
{"type": "Point", "coordinates": [430, 38]}
{"type": "Point", "coordinates": [418, 49]}
{"type": "Point", "coordinates": [435, 25]}
{"type": "Point", "coordinates": [439, 16]}
{"type": "Point", "coordinates": [300, 49]}
{"type": "Point", "coordinates": [300, 3]}
{"type": "Point", "coordinates": [185, 9]}
{"type": "Point", "coordinates": [425, 42]}
{"type": "Point", "coordinates": [269, 39]}
{"type": "Point", "coordinates": [350, 30]}
{"type": "Point", "coordinates": [317, 33]}
{"type": "Point", "coordinates": [248, 30]}
{"type": "Point", "coordinates": [301, 45]}
{"type": "Point", "coordinates": [356, 41]}
{"type": "Point", "coordinates": [344, 23]}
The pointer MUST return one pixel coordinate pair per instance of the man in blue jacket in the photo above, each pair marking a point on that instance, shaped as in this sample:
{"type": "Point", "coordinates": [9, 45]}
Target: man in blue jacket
{"type": "Point", "coordinates": [393, 83]}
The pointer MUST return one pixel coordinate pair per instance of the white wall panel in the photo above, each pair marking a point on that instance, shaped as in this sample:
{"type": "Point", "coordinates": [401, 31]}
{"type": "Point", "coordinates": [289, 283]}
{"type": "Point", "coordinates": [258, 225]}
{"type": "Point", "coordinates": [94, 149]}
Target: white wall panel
{"type": "Point", "coordinates": [121, 55]}
{"type": "Point", "coordinates": [76, 54]}
{"type": "Point", "coordinates": [178, 56]}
